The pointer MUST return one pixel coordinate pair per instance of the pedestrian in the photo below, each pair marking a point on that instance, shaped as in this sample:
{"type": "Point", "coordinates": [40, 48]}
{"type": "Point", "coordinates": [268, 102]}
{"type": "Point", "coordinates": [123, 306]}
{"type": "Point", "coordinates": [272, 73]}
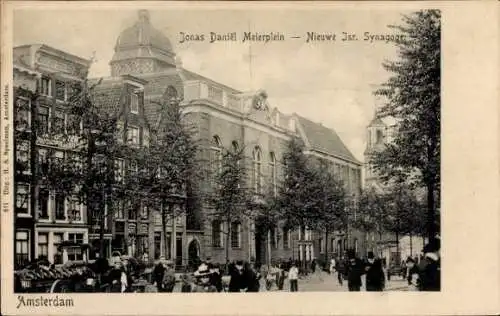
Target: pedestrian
{"type": "Point", "coordinates": [169, 278]}
{"type": "Point", "coordinates": [340, 267]}
{"type": "Point", "coordinates": [412, 269]}
{"type": "Point", "coordinates": [293, 276]}
{"type": "Point", "coordinates": [429, 275]}
{"type": "Point", "coordinates": [355, 270]}
{"type": "Point", "coordinates": [237, 281]}
{"type": "Point", "coordinates": [158, 273]}
{"type": "Point", "coordinates": [281, 276]}
{"type": "Point", "coordinates": [375, 280]}
{"type": "Point", "coordinates": [331, 269]}
{"type": "Point", "coordinates": [186, 284]}
{"type": "Point", "coordinates": [253, 277]}
{"type": "Point", "coordinates": [216, 277]}
{"type": "Point", "coordinates": [203, 284]}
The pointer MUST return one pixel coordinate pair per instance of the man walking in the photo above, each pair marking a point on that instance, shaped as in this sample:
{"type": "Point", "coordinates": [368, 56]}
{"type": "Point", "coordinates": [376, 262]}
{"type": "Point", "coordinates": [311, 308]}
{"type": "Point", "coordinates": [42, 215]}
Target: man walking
{"type": "Point", "coordinates": [340, 267]}
{"type": "Point", "coordinates": [375, 279]}
{"type": "Point", "coordinates": [355, 270]}
{"type": "Point", "coordinates": [293, 276]}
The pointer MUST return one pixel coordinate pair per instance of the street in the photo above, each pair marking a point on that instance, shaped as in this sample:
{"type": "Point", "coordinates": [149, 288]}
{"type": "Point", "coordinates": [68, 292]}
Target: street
{"type": "Point", "coordinates": [324, 282]}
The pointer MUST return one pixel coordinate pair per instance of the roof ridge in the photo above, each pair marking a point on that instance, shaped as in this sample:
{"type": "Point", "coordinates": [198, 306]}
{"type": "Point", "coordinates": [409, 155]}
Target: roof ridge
{"type": "Point", "coordinates": [334, 145]}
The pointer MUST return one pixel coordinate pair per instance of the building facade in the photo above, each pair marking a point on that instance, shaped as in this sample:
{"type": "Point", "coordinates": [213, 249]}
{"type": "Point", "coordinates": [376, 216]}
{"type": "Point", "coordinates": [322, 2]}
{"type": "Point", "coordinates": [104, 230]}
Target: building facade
{"type": "Point", "coordinates": [145, 66]}
{"type": "Point", "coordinates": [45, 219]}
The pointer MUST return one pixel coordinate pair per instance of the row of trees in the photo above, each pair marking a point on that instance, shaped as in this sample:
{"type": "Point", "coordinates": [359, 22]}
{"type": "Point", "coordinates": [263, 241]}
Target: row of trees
{"type": "Point", "coordinates": [101, 168]}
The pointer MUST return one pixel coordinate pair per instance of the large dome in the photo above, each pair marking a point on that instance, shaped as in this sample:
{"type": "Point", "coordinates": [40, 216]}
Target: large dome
{"type": "Point", "coordinates": [143, 34]}
{"type": "Point", "coordinates": [142, 49]}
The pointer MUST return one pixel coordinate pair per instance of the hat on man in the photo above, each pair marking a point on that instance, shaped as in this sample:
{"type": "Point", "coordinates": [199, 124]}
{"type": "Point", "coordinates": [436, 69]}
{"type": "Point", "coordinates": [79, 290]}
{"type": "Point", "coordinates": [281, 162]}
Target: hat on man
{"type": "Point", "coordinates": [371, 255]}
{"type": "Point", "coordinates": [202, 271]}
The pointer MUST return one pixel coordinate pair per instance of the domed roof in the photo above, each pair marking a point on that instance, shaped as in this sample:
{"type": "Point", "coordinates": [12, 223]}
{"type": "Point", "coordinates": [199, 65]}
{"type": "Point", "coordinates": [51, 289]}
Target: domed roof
{"type": "Point", "coordinates": [142, 34]}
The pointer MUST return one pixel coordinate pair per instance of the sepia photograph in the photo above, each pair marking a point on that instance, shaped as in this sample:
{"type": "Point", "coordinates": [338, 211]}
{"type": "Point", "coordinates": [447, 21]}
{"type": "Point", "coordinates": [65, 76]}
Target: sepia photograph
{"type": "Point", "coordinates": [168, 153]}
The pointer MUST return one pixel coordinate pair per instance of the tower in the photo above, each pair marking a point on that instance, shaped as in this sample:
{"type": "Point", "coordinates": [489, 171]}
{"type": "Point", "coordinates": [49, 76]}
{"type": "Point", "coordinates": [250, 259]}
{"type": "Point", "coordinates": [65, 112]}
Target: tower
{"type": "Point", "coordinates": [375, 142]}
{"type": "Point", "coordinates": [142, 49]}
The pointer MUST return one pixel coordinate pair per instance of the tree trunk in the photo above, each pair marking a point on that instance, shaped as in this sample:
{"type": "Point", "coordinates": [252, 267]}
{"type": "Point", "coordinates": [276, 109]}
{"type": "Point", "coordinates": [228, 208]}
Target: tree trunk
{"type": "Point", "coordinates": [268, 261]}
{"type": "Point", "coordinates": [411, 245]}
{"type": "Point", "coordinates": [228, 238]}
{"type": "Point", "coordinates": [164, 229]}
{"type": "Point", "coordinates": [101, 231]}
{"type": "Point", "coordinates": [397, 247]}
{"type": "Point", "coordinates": [173, 238]}
{"type": "Point", "coordinates": [431, 212]}
{"type": "Point", "coordinates": [326, 246]}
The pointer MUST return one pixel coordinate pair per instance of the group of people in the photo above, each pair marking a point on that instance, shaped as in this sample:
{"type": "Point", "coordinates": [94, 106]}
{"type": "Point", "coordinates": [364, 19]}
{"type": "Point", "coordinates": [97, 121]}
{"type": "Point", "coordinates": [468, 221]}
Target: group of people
{"type": "Point", "coordinates": [425, 274]}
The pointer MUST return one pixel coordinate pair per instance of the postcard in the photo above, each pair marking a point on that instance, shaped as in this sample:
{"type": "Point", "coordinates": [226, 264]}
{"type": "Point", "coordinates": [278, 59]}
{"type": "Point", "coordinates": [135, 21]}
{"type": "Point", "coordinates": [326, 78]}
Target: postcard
{"type": "Point", "coordinates": [271, 158]}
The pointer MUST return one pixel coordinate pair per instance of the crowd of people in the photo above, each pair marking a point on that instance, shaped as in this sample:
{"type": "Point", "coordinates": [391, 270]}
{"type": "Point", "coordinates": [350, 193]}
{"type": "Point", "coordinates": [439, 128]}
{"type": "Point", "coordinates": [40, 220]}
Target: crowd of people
{"type": "Point", "coordinates": [423, 274]}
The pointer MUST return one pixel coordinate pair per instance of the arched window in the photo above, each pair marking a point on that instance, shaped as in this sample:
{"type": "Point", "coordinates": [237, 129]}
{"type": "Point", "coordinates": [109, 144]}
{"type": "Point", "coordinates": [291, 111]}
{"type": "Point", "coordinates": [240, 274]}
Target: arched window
{"type": "Point", "coordinates": [170, 94]}
{"type": "Point", "coordinates": [234, 146]}
{"type": "Point", "coordinates": [257, 170]}
{"type": "Point", "coordinates": [216, 156]}
{"type": "Point", "coordinates": [272, 172]}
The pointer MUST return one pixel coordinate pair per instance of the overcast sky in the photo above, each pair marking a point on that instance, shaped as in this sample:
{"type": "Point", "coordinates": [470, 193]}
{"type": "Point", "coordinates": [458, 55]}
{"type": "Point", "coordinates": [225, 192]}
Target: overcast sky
{"type": "Point", "coordinates": [328, 82]}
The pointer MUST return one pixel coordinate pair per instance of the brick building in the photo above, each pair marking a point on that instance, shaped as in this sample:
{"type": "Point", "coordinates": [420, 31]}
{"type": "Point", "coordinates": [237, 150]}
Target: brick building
{"type": "Point", "coordinates": [43, 218]}
{"type": "Point", "coordinates": [227, 117]}
{"type": "Point", "coordinates": [144, 70]}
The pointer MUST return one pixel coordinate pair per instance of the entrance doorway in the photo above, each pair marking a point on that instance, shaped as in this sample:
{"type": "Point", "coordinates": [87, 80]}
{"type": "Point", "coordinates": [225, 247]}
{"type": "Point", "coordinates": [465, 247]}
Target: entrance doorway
{"type": "Point", "coordinates": [193, 253]}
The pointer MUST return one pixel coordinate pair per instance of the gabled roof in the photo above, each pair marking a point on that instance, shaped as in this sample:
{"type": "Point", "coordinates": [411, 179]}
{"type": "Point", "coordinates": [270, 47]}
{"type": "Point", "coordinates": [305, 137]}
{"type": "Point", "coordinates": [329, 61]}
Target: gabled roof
{"type": "Point", "coordinates": [324, 139]}
{"type": "Point", "coordinates": [377, 122]}
{"type": "Point", "coordinates": [108, 95]}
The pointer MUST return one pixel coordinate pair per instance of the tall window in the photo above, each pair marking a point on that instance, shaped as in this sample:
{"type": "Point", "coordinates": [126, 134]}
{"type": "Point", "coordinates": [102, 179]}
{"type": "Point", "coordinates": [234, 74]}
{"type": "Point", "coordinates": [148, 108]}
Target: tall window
{"type": "Point", "coordinates": [134, 102]}
{"type": "Point", "coordinates": [73, 124]}
{"type": "Point", "coordinates": [216, 156]}
{"type": "Point", "coordinates": [272, 172]}
{"type": "Point", "coordinates": [274, 238]}
{"type": "Point", "coordinates": [45, 86]}
{"type": "Point", "coordinates": [75, 253]}
{"type": "Point", "coordinates": [23, 156]}
{"type": "Point", "coordinates": [60, 90]}
{"type": "Point", "coordinates": [22, 198]}
{"type": "Point", "coordinates": [43, 204]}
{"type": "Point", "coordinates": [321, 245]}
{"type": "Point", "coordinates": [57, 240]}
{"type": "Point", "coordinates": [43, 161]}
{"type": "Point", "coordinates": [217, 231]}
{"type": "Point", "coordinates": [286, 238]}
{"type": "Point", "coordinates": [119, 213]}
{"type": "Point", "coordinates": [43, 119]}
{"type": "Point", "coordinates": [22, 247]}
{"type": "Point", "coordinates": [133, 135]}
{"type": "Point", "coordinates": [119, 170]}
{"type": "Point", "coordinates": [23, 114]}
{"type": "Point", "coordinates": [235, 235]}
{"type": "Point", "coordinates": [257, 170]}
{"type": "Point", "coordinates": [74, 209]}
{"type": "Point", "coordinates": [59, 206]}
{"type": "Point", "coordinates": [43, 245]}
{"type": "Point", "coordinates": [380, 137]}
{"type": "Point", "coordinates": [58, 122]}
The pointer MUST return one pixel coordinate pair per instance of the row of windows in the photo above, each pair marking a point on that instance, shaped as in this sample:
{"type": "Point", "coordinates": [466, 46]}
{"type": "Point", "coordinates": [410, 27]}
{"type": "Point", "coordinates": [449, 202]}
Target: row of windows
{"type": "Point", "coordinates": [22, 251]}
{"type": "Point", "coordinates": [62, 90]}
{"type": "Point", "coordinates": [218, 234]}
{"type": "Point", "coordinates": [58, 121]}
{"type": "Point", "coordinates": [61, 206]}
{"type": "Point", "coordinates": [257, 179]}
